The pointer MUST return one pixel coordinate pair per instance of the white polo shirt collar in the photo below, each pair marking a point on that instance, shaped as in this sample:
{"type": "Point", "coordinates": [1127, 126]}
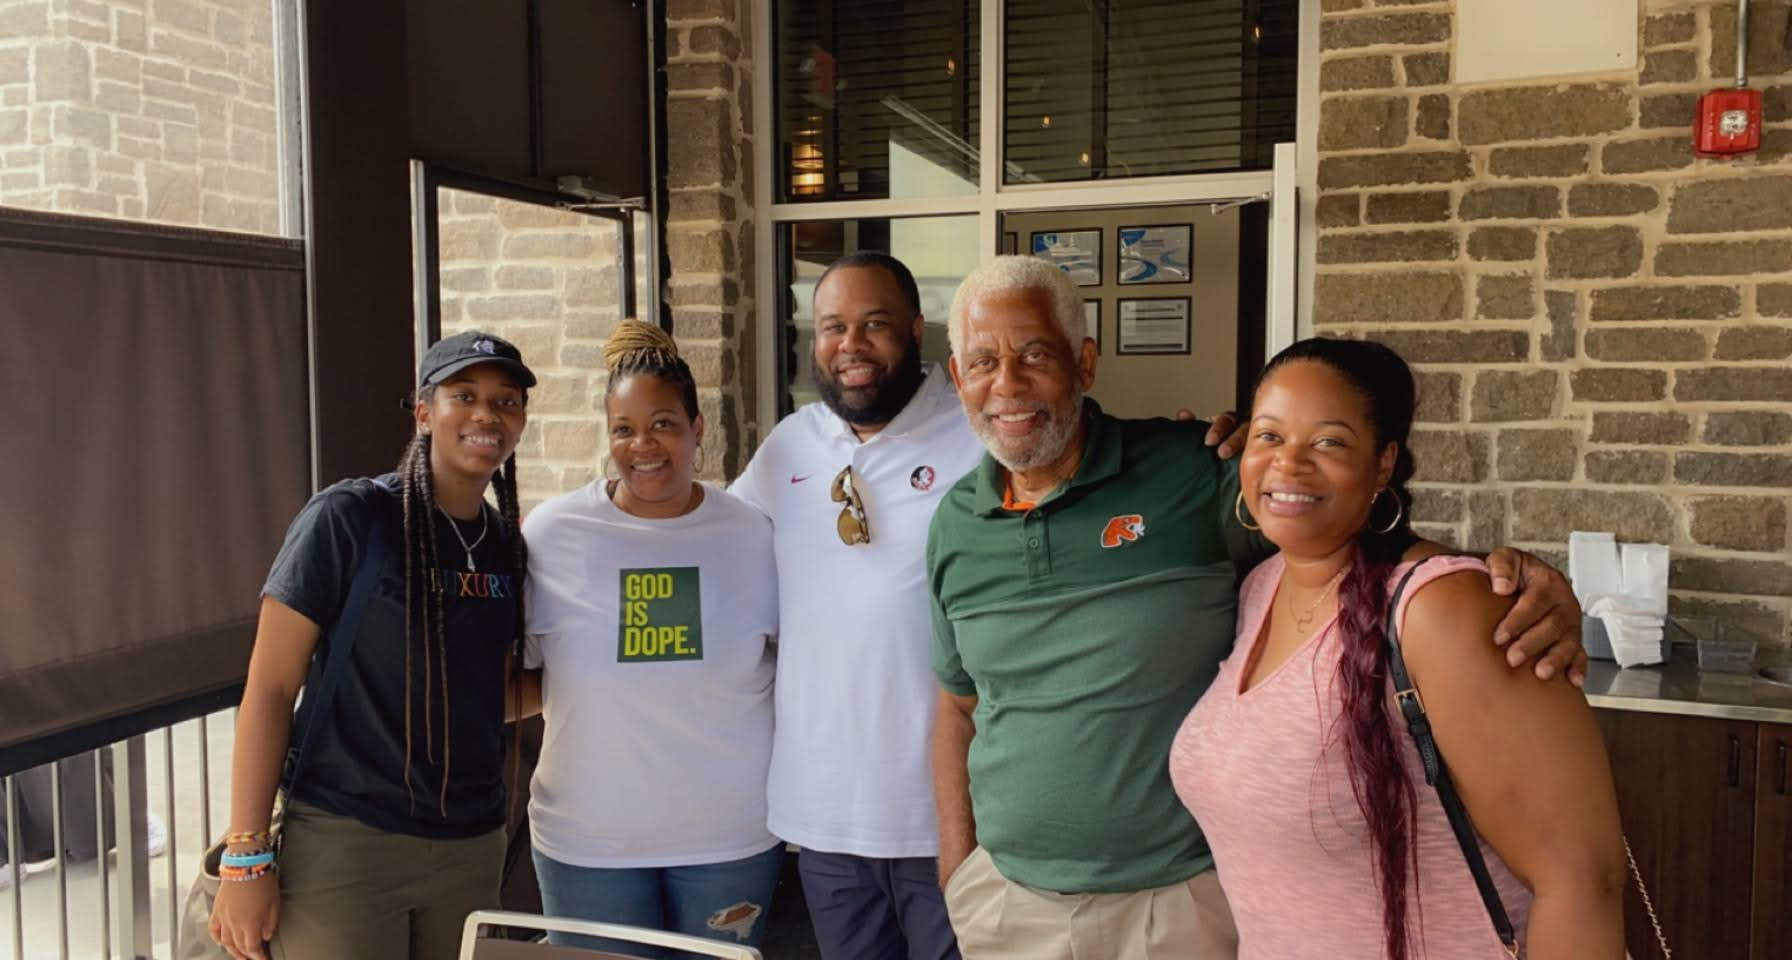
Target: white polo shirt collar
{"type": "Point", "coordinates": [935, 392]}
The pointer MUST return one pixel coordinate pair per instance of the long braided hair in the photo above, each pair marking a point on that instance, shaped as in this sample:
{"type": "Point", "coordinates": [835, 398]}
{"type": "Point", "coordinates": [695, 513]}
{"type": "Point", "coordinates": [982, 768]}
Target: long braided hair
{"type": "Point", "coordinates": [1383, 791]}
{"type": "Point", "coordinates": [425, 635]}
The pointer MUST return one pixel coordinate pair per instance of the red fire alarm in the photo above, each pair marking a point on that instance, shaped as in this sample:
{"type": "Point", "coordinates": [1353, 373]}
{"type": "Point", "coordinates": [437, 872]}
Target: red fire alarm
{"type": "Point", "coordinates": [1729, 121]}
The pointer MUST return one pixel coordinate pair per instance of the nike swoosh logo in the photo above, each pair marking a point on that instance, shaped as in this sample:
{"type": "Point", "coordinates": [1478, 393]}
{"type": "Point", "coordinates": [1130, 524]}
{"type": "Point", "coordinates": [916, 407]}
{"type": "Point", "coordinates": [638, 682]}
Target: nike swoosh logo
{"type": "Point", "coordinates": [796, 479]}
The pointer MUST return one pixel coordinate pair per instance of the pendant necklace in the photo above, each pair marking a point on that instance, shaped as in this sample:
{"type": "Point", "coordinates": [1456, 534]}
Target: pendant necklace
{"type": "Point", "coordinates": [484, 522]}
{"type": "Point", "coordinates": [1303, 622]}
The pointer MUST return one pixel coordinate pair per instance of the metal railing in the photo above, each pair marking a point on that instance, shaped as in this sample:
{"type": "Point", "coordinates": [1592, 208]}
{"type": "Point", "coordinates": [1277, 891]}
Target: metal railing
{"type": "Point", "coordinates": [111, 898]}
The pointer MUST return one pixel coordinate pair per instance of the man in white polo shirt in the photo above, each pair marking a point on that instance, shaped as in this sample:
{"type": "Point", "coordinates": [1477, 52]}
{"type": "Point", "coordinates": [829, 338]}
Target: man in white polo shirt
{"type": "Point", "coordinates": [851, 484]}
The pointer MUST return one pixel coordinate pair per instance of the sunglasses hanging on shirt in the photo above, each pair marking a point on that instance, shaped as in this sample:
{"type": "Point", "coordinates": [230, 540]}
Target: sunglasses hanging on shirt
{"type": "Point", "coordinates": [853, 525]}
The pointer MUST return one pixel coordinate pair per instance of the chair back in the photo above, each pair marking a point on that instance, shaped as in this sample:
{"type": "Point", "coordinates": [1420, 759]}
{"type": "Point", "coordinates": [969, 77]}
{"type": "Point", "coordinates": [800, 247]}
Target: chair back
{"type": "Point", "coordinates": [475, 945]}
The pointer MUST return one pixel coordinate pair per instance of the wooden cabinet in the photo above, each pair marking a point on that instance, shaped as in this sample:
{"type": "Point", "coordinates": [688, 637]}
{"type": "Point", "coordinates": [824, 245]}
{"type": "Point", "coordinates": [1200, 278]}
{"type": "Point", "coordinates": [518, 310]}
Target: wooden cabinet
{"type": "Point", "coordinates": [1773, 842]}
{"type": "Point", "coordinates": [1702, 804]}
{"type": "Point", "coordinates": [1686, 797]}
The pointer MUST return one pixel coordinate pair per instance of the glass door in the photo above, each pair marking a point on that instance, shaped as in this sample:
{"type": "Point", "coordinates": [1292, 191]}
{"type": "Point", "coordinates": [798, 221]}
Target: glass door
{"type": "Point", "coordinates": [548, 274]}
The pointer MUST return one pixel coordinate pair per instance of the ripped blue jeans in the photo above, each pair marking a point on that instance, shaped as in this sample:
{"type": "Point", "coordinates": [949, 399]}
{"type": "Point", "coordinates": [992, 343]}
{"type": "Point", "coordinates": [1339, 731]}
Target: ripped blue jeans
{"type": "Point", "coordinates": [726, 901]}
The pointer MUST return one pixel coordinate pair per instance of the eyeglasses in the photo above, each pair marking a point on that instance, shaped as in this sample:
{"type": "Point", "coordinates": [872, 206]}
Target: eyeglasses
{"type": "Point", "coordinates": [853, 525]}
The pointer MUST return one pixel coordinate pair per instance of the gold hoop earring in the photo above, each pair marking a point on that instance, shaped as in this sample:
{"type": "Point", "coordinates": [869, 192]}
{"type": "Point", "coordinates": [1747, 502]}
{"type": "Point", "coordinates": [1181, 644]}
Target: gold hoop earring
{"type": "Point", "coordinates": [609, 463]}
{"type": "Point", "coordinates": [697, 462]}
{"type": "Point", "coordinates": [1399, 509]}
{"type": "Point", "coordinates": [1238, 512]}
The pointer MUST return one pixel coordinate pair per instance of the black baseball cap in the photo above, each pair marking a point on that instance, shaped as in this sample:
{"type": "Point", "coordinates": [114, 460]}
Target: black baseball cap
{"type": "Point", "coordinates": [450, 355]}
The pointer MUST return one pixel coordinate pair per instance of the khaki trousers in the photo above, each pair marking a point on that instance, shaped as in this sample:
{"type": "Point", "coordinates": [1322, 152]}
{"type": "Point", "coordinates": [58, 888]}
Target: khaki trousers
{"type": "Point", "coordinates": [351, 892]}
{"type": "Point", "coordinates": [998, 919]}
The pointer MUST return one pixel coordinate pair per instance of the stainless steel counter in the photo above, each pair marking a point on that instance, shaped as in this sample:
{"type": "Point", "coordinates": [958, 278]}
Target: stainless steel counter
{"type": "Point", "coordinates": [1678, 687]}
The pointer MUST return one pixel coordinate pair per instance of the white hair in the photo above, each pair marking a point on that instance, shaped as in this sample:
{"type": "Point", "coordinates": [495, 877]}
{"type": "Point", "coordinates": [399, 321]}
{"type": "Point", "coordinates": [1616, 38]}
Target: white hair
{"type": "Point", "coordinates": [1009, 273]}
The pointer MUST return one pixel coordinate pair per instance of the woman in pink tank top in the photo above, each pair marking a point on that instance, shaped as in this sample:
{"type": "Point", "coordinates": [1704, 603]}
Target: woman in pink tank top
{"type": "Point", "coordinates": [1298, 765]}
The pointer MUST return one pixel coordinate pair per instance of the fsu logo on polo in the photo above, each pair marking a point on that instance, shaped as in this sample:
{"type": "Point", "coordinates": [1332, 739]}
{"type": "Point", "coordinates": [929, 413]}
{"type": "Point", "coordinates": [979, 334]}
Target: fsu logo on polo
{"type": "Point", "coordinates": [1122, 529]}
{"type": "Point", "coordinates": [921, 479]}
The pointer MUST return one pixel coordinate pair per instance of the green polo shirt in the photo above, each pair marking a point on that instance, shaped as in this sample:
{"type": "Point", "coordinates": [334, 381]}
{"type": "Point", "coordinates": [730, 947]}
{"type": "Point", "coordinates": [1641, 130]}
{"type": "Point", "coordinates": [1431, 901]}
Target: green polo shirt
{"type": "Point", "coordinates": [1087, 628]}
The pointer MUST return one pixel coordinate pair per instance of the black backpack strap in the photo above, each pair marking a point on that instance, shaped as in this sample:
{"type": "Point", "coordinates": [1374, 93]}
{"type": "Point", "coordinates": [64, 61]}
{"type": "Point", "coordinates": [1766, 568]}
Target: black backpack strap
{"type": "Point", "coordinates": [1412, 708]}
{"type": "Point", "coordinates": [342, 644]}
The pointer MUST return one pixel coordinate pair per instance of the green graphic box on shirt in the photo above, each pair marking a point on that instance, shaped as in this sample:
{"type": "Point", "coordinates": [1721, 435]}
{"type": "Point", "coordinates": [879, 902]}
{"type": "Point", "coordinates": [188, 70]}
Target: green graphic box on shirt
{"type": "Point", "coordinates": [662, 615]}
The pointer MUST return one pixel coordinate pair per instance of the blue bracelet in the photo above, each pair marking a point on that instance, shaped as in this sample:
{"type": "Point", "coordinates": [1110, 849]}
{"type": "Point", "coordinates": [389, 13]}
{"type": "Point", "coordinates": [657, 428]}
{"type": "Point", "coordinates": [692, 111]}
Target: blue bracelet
{"type": "Point", "coordinates": [261, 859]}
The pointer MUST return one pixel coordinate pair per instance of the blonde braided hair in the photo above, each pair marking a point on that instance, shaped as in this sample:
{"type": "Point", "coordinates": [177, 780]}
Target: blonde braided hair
{"type": "Point", "coordinates": [642, 348]}
{"type": "Point", "coordinates": [636, 343]}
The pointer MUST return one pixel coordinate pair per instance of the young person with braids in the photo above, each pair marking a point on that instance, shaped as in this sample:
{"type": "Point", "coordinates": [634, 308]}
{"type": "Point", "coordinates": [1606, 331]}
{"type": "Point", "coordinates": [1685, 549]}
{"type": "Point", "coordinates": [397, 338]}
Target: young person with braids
{"type": "Point", "coordinates": [652, 614]}
{"type": "Point", "coordinates": [1297, 762]}
{"type": "Point", "coordinates": [394, 830]}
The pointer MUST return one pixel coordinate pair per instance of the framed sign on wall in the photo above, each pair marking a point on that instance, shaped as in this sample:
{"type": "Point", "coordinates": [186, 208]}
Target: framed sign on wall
{"type": "Point", "coordinates": [1160, 254]}
{"type": "Point", "coordinates": [1076, 252]}
{"type": "Point", "coordinates": [1152, 325]}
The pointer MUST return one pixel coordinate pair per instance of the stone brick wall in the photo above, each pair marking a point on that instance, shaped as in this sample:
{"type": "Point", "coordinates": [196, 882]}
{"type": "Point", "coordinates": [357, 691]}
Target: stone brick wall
{"type": "Point", "coordinates": [709, 223]}
{"type": "Point", "coordinates": [1602, 323]}
{"type": "Point", "coordinates": [160, 110]}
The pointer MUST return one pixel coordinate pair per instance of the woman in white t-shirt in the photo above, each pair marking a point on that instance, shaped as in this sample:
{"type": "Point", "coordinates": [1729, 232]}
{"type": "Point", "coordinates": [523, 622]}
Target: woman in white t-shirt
{"type": "Point", "coordinates": [652, 614]}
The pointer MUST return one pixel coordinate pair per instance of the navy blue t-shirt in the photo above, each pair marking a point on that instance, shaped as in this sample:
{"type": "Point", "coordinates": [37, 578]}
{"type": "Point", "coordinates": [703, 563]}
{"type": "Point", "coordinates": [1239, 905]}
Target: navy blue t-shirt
{"type": "Point", "coordinates": [356, 767]}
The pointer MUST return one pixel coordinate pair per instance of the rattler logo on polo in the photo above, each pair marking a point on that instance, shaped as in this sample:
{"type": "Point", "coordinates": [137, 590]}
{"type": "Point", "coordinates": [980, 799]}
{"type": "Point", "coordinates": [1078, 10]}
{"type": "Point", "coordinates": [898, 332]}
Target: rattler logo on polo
{"type": "Point", "coordinates": [662, 615]}
{"type": "Point", "coordinates": [1122, 529]}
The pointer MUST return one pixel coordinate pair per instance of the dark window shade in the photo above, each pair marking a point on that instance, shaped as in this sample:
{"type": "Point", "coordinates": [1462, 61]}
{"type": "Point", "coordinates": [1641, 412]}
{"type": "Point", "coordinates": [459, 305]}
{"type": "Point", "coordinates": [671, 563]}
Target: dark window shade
{"type": "Point", "coordinates": [530, 92]}
{"type": "Point", "coordinates": [593, 96]}
{"type": "Point", "coordinates": [1132, 88]}
{"type": "Point", "coordinates": [470, 79]}
{"type": "Point", "coordinates": [156, 384]}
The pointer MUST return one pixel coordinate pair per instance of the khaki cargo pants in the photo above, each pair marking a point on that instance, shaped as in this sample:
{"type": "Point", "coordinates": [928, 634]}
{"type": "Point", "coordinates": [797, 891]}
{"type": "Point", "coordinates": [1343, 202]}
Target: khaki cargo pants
{"type": "Point", "coordinates": [351, 892]}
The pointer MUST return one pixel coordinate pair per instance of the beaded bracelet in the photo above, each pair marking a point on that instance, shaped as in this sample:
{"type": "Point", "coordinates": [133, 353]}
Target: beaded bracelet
{"type": "Point", "coordinates": [255, 836]}
{"type": "Point", "coordinates": [245, 874]}
{"type": "Point", "coordinates": [253, 858]}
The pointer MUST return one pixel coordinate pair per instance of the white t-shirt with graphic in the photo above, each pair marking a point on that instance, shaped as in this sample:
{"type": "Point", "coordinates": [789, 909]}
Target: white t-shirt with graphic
{"type": "Point", "coordinates": [656, 640]}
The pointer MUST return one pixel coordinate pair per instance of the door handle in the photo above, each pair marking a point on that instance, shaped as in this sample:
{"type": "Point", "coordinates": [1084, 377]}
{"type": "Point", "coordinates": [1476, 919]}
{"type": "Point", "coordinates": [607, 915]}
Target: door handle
{"type": "Point", "coordinates": [1735, 762]}
{"type": "Point", "coordinates": [1781, 750]}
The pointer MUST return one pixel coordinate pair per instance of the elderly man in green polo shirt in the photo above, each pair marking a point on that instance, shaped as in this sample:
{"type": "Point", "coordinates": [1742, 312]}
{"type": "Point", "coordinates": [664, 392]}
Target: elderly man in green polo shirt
{"type": "Point", "coordinates": [1084, 584]}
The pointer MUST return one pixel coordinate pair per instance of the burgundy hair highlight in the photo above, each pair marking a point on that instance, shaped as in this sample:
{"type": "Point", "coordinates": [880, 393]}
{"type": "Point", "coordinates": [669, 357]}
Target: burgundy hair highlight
{"type": "Point", "coordinates": [1384, 792]}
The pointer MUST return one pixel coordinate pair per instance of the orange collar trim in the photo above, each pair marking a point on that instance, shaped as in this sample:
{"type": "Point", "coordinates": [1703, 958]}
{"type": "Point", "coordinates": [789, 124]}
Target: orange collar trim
{"type": "Point", "coordinates": [1009, 503]}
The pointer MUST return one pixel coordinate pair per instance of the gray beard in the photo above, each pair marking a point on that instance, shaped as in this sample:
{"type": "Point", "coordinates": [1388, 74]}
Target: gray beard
{"type": "Point", "coordinates": [1044, 449]}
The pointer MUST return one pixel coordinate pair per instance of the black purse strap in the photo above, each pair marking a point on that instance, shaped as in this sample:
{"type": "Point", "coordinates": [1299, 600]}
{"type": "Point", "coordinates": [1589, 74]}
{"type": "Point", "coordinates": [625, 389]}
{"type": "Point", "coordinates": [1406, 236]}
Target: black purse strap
{"type": "Point", "coordinates": [342, 644]}
{"type": "Point", "coordinates": [1412, 708]}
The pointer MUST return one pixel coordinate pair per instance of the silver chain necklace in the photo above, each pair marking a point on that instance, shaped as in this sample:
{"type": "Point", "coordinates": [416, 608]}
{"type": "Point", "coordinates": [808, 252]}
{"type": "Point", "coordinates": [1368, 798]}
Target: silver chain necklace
{"type": "Point", "coordinates": [484, 523]}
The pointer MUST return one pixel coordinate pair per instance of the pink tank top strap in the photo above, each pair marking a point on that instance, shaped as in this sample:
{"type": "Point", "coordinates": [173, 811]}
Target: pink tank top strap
{"type": "Point", "coordinates": [1427, 570]}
